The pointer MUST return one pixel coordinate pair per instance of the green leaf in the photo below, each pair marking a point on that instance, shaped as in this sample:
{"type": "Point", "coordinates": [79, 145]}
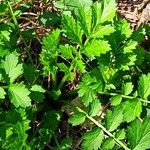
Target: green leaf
{"type": "Point", "coordinates": [65, 144]}
{"type": "Point", "coordinates": [116, 100]}
{"type": "Point", "coordinates": [127, 88]}
{"type": "Point", "coordinates": [91, 84]}
{"type": "Point", "coordinates": [37, 93]}
{"type": "Point", "coordinates": [12, 69]}
{"type": "Point", "coordinates": [79, 65]}
{"type": "Point", "coordinates": [108, 144]}
{"type": "Point", "coordinates": [67, 71]}
{"type": "Point", "coordinates": [49, 52]}
{"type": "Point", "coordinates": [66, 51]}
{"type": "Point", "coordinates": [3, 8]}
{"type": "Point", "coordinates": [102, 31]}
{"type": "Point", "coordinates": [85, 18]}
{"type": "Point", "coordinates": [2, 93]}
{"type": "Point", "coordinates": [92, 140]}
{"type": "Point", "coordinates": [72, 29]}
{"type": "Point", "coordinates": [139, 134]}
{"type": "Point", "coordinates": [144, 86]}
{"type": "Point", "coordinates": [114, 118]}
{"type": "Point", "coordinates": [77, 118]}
{"type": "Point", "coordinates": [95, 107]}
{"type": "Point", "coordinates": [96, 48]}
{"type": "Point", "coordinates": [130, 46]}
{"type": "Point", "coordinates": [19, 95]}
{"type": "Point", "coordinates": [121, 134]}
{"type": "Point", "coordinates": [132, 109]}
{"type": "Point", "coordinates": [109, 10]}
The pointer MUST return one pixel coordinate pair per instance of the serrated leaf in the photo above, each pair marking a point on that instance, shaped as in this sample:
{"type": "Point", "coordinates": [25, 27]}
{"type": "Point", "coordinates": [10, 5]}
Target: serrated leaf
{"type": "Point", "coordinates": [92, 140]}
{"type": "Point", "coordinates": [12, 68]}
{"type": "Point", "coordinates": [130, 46]}
{"type": "Point", "coordinates": [121, 134]}
{"type": "Point", "coordinates": [116, 100]}
{"type": "Point", "coordinates": [85, 19]}
{"type": "Point", "coordinates": [96, 48]}
{"type": "Point", "coordinates": [139, 134]}
{"type": "Point", "coordinates": [107, 13]}
{"type": "Point", "coordinates": [72, 29]}
{"type": "Point", "coordinates": [78, 3]}
{"type": "Point", "coordinates": [37, 88]}
{"type": "Point", "coordinates": [95, 107]}
{"type": "Point", "coordinates": [102, 31]}
{"type": "Point", "coordinates": [108, 144]}
{"type": "Point", "coordinates": [19, 95]}
{"type": "Point", "coordinates": [66, 51]}
{"type": "Point", "coordinates": [114, 118]}
{"type": "Point", "coordinates": [37, 93]}
{"type": "Point", "coordinates": [49, 52]}
{"type": "Point", "coordinates": [127, 88]}
{"type": "Point", "coordinates": [2, 93]}
{"type": "Point", "coordinates": [79, 65]}
{"type": "Point", "coordinates": [132, 109]}
{"type": "Point", "coordinates": [77, 118]}
{"type": "Point", "coordinates": [144, 86]}
{"type": "Point", "coordinates": [91, 84]}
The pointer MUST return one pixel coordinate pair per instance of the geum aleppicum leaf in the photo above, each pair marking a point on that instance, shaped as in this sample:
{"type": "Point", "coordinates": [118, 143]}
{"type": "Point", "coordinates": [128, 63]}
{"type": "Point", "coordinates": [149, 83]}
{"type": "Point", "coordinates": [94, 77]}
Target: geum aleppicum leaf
{"type": "Point", "coordinates": [139, 134]}
{"type": "Point", "coordinates": [109, 10]}
{"type": "Point", "coordinates": [85, 19]}
{"type": "Point", "coordinates": [37, 93]}
{"type": "Point", "coordinates": [108, 144]}
{"type": "Point", "coordinates": [114, 118]}
{"type": "Point", "coordinates": [92, 140]}
{"type": "Point", "coordinates": [127, 88]}
{"type": "Point", "coordinates": [116, 100]}
{"type": "Point", "coordinates": [96, 48]}
{"type": "Point", "coordinates": [19, 95]}
{"type": "Point", "coordinates": [89, 87]}
{"type": "Point", "coordinates": [77, 118]}
{"type": "Point", "coordinates": [72, 29]}
{"type": "Point", "coordinates": [2, 93]}
{"type": "Point", "coordinates": [12, 69]}
{"type": "Point", "coordinates": [49, 52]}
{"type": "Point", "coordinates": [132, 108]}
{"type": "Point", "coordinates": [144, 86]}
{"type": "Point", "coordinates": [101, 31]}
{"type": "Point", "coordinates": [95, 107]}
{"type": "Point", "coordinates": [66, 51]}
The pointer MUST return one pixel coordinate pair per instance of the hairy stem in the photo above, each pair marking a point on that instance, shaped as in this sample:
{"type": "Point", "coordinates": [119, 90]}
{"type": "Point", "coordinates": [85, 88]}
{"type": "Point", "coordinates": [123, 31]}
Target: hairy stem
{"type": "Point", "coordinates": [104, 129]}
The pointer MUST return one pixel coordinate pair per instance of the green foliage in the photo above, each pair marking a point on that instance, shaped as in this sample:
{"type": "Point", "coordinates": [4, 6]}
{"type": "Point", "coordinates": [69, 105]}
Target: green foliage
{"type": "Point", "coordinates": [90, 72]}
{"type": "Point", "coordinates": [92, 139]}
{"type": "Point", "coordinates": [139, 134]}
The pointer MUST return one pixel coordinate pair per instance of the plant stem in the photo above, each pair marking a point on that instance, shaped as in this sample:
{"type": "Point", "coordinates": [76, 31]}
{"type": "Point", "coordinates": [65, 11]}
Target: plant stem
{"type": "Point", "coordinates": [104, 129]}
{"type": "Point", "coordinates": [64, 78]}
{"type": "Point", "coordinates": [18, 28]}
{"type": "Point", "coordinates": [56, 141]}
{"type": "Point", "coordinates": [125, 96]}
